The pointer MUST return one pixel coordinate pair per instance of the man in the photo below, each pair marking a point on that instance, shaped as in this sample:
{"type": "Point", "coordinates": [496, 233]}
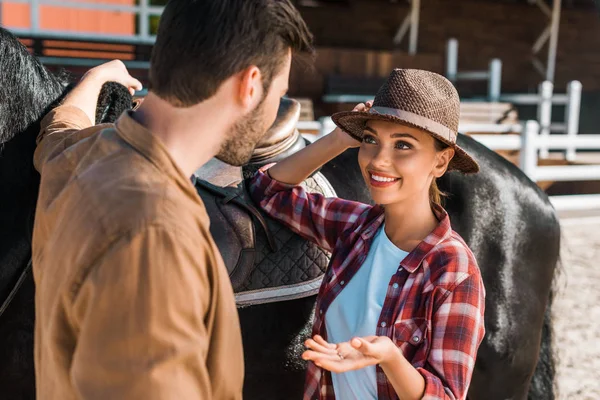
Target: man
{"type": "Point", "coordinates": [133, 300]}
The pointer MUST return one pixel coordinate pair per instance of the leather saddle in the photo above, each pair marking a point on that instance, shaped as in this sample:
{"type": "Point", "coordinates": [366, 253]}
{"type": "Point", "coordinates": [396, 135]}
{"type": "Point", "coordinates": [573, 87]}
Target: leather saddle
{"type": "Point", "coordinates": [265, 260]}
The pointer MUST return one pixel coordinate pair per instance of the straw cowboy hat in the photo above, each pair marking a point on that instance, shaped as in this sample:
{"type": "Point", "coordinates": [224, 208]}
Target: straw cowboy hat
{"type": "Point", "coordinates": [416, 98]}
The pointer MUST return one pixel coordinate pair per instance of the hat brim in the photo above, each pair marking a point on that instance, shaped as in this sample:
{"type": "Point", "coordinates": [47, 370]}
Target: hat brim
{"type": "Point", "coordinates": [353, 123]}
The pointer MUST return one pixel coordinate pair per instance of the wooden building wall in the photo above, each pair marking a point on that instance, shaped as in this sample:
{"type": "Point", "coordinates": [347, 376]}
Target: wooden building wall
{"type": "Point", "coordinates": [485, 29]}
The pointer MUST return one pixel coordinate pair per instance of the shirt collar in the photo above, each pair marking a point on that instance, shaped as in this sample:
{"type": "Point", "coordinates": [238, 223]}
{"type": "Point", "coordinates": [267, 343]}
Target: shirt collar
{"type": "Point", "coordinates": [154, 150]}
{"type": "Point", "coordinates": [414, 259]}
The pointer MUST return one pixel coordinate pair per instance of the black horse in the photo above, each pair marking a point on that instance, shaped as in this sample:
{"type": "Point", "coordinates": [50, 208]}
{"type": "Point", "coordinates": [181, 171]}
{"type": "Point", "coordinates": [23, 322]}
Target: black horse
{"type": "Point", "coordinates": [504, 217]}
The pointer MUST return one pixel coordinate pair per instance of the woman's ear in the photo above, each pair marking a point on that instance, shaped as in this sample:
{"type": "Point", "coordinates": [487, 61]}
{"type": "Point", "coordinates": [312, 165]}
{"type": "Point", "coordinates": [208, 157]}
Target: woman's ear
{"type": "Point", "coordinates": [443, 158]}
{"type": "Point", "coordinates": [250, 87]}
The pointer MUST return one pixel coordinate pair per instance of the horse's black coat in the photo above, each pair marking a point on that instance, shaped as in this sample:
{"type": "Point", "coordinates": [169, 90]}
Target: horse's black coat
{"type": "Point", "coordinates": [27, 92]}
{"type": "Point", "coordinates": [505, 218]}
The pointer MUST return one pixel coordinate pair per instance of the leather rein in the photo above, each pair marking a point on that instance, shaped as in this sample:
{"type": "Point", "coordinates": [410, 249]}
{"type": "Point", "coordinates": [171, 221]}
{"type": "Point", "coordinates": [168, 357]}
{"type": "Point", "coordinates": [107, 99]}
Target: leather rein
{"type": "Point", "coordinates": [16, 288]}
{"type": "Point", "coordinates": [24, 273]}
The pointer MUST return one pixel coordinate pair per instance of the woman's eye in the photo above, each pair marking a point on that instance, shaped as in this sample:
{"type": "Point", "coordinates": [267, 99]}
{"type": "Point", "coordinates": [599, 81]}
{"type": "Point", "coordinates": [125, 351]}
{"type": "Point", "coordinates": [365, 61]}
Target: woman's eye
{"type": "Point", "coordinates": [403, 146]}
{"type": "Point", "coordinates": [369, 139]}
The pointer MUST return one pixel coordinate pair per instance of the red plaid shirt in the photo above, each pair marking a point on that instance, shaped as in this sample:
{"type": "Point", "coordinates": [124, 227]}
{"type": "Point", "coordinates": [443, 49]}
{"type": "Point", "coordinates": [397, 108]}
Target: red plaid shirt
{"type": "Point", "coordinates": [434, 304]}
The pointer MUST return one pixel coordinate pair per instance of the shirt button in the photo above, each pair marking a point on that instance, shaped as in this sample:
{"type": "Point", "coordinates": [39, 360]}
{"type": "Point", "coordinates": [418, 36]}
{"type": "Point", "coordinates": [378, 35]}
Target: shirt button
{"type": "Point", "coordinates": [342, 283]}
{"type": "Point", "coordinates": [416, 339]}
{"type": "Point", "coordinates": [383, 324]}
{"type": "Point", "coordinates": [395, 286]}
{"type": "Point", "coordinates": [399, 269]}
{"type": "Point", "coordinates": [321, 311]}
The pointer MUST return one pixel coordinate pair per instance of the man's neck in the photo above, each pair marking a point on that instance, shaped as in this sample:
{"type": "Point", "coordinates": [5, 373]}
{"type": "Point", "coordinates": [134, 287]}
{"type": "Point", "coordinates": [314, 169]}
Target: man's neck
{"type": "Point", "coordinates": [191, 135]}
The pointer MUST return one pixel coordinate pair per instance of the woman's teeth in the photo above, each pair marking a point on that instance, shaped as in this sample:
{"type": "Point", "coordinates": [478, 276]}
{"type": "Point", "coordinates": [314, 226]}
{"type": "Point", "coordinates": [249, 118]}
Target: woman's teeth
{"type": "Point", "coordinates": [382, 178]}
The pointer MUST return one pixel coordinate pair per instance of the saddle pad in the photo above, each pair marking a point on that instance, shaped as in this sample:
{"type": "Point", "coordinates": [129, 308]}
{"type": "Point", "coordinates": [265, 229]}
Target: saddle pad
{"type": "Point", "coordinates": [296, 269]}
{"type": "Point", "coordinates": [270, 263]}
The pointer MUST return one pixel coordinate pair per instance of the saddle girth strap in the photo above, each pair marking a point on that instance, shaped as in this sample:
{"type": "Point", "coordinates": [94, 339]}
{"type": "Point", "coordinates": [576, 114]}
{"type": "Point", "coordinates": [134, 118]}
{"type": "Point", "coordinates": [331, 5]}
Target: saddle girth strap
{"type": "Point", "coordinates": [16, 288]}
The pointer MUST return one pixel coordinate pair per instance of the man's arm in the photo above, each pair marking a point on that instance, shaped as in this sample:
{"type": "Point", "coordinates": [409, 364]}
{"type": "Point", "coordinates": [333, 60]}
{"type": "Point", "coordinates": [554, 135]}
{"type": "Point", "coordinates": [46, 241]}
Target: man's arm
{"type": "Point", "coordinates": [73, 120]}
{"type": "Point", "coordinates": [140, 316]}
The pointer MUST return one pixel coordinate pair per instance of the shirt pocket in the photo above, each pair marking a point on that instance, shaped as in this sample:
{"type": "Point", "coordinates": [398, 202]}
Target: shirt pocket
{"type": "Point", "coordinates": [410, 335]}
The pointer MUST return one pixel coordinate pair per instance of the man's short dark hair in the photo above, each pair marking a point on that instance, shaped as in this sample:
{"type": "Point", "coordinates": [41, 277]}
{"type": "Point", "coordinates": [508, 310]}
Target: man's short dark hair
{"type": "Point", "coordinates": [201, 43]}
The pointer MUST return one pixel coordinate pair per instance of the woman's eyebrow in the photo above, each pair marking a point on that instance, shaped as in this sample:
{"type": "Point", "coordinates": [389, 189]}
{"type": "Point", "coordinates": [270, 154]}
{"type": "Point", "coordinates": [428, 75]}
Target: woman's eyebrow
{"type": "Point", "coordinates": [403, 135]}
{"type": "Point", "coordinates": [393, 135]}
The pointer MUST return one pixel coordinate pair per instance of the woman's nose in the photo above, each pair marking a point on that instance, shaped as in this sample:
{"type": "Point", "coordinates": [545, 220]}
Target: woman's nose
{"type": "Point", "coordinates": [381, 158]}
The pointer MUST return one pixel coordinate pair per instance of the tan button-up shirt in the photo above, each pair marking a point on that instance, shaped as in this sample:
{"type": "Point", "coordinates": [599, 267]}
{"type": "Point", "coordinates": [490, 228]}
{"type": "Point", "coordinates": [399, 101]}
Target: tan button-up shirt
{"type": "Point", "coordinates": [133, 298]}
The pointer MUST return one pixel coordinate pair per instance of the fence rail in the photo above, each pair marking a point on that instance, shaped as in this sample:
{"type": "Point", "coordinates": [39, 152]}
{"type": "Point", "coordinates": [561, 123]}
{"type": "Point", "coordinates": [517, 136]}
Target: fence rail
{"type": "Point", "coordinates": [493, 75]}
{"type": "Point", "coordinates": [142, 11]}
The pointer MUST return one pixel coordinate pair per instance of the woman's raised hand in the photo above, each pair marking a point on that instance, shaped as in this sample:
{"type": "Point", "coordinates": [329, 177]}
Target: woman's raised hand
{"type": "Point", "coordinates": [356, 354]}
{"type": "Point", "coordinates": [343, 137]}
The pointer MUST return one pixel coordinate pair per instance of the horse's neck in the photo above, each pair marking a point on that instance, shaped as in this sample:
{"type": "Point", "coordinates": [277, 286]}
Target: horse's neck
{"type": "Point", "coordinates": [18, 194]}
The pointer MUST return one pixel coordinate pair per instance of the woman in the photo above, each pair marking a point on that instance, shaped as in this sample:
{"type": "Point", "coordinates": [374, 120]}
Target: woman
{"type": "Point", "coordinates": [400, 311]}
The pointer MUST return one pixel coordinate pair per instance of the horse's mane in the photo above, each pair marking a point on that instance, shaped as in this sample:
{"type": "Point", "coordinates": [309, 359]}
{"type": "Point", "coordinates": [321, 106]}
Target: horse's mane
{"type": "Point", "coordinates": [27, 89]}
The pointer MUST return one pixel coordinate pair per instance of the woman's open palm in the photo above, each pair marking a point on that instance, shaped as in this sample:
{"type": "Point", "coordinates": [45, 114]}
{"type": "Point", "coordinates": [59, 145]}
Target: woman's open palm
{"type": "Point", "coordinates": [348, 356]}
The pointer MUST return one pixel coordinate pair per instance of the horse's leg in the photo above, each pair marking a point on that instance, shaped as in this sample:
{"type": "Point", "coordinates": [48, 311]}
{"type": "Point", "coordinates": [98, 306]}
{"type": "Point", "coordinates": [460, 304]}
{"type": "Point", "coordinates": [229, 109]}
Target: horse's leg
{"type": "Point", "coordinates": [273, 336]}
{"type": "Point", "coordinates": [515, 360]}
{"type": "Point", "coordinates": [17, 375]}
{"type": "Point", "coordinates": [542, 383]}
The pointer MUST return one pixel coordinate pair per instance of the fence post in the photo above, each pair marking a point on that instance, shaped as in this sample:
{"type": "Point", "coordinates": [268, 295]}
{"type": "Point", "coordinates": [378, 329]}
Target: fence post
{"type": "Point", "coordinates": [415, 8]}
{"type": "Point", "coordinates": [545, 114]}
{"type": "Point", "coordinates": [495, 80]}
{"type": "Point", "coordinates": [572, 113]}
{"type": "Point", "coordinates": [327, 126]}
{"type": "Point", "coordinates": [452, 59]}
{"type": "Point", "coordinates": [528, 155]}
{"type": "Point", "coordinates": [144, 19]}
{"type": "Point", "coordinates": [34, 15]}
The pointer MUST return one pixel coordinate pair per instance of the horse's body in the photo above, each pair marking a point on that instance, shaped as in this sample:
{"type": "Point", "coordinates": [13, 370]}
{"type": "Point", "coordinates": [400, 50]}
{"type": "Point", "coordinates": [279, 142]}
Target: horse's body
{"type": "Point", "coordinates": [506, 220]}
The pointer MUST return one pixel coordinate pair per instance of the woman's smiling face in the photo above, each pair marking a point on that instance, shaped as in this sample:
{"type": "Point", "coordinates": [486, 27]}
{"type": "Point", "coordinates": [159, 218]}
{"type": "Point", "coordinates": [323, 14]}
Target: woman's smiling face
{"type": "Point", "coordinates": [399, 162]}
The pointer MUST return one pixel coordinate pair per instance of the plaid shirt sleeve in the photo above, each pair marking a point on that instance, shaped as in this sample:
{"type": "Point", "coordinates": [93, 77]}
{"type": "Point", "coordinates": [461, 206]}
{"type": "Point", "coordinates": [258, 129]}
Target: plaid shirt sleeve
{"type": "Point", "coordinates": [311, 215]}
{"type": "Point", "coordinates": [458, 329]}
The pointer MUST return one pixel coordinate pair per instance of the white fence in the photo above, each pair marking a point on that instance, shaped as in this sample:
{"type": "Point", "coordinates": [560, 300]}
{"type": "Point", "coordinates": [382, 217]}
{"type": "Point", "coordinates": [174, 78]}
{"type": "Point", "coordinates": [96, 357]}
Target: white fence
{"type": "Point", "coordinates": [142, 11]}
{"type": "Point", "coordinates": [493, 75]}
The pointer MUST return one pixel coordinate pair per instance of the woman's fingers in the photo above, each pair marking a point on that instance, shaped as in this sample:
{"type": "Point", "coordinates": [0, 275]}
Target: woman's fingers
{"type": "Point", "coordinates": [319, 339]}
{"type": "Point", "coordinates": [331, 363]}
{"type": "Point", "coordinates": [313, 345]}
{"type": "Point", "coordinates": [359, 107]}
{"type": "Point", "coordinates": [363, 106]}
{"type": "Point", "coordinates": [336, 364]}
{"type": "Point", "coordinates": [313, 355]}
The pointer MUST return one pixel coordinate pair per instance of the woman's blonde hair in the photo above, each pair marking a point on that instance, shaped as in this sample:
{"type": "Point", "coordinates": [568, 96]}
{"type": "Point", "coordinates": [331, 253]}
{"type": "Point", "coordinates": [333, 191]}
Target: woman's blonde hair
{"type": "Point", "coordinates": [435, 194]}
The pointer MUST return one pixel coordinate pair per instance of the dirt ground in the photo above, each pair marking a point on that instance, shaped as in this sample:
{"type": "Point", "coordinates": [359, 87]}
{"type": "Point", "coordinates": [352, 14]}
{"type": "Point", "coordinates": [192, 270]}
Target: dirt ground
{"type": "Point", "coordinates": [577, 311]}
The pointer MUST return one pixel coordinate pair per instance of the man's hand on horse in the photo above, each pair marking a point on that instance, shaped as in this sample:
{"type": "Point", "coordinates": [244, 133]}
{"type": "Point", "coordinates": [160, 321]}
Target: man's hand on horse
{"type": "Point", "coordinates": [85, 94]}
{"type": "Point", "coordinates": [113, 71]}
{"type": "Point", "coordinates": [356, 354]}
{"type": "Point", "coordinates": [344, 138]}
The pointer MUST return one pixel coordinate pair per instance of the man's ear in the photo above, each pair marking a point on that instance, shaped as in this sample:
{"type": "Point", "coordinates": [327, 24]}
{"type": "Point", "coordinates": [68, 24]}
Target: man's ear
{"type": "Point", "coordinates": [250, 87]}
{"type": "Point", "coordinates": [443, 158]}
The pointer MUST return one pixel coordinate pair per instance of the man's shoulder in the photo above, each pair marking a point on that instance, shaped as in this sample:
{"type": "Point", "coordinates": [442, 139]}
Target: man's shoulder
{"type": "Point", "coordinates": [137, 199]}
{"type": "Point", "coordinates": [126, 192]}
